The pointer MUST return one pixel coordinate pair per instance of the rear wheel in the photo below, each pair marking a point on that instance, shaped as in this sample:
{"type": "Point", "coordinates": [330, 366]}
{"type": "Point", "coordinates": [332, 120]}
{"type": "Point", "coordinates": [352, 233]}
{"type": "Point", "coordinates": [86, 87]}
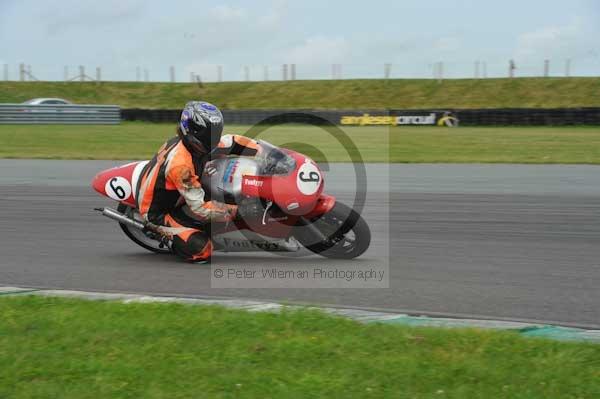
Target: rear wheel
{"type": "Point", "coordinates": [138, 236]}
{"type": "Point", "coordinates": [344, 233]}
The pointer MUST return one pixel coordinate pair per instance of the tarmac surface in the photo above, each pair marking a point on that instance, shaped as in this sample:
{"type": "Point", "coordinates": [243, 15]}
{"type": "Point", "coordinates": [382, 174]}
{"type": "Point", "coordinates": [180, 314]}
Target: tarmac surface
{"type": "Point", "coordinates": [517, 242]}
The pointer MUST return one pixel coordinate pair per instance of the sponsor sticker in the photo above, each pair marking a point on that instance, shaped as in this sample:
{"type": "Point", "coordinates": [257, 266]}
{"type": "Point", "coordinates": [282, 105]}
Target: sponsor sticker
{"type": "Point", "coordinates": [293, 205]}
{"type": "Point", "coordinates": [210, 170]}
{"type": "Point", "coordinates": [230, 171]}
{"type": "Point", "coordinates": [432, 119]}
{"type": "Point", "coordinates": [253, 182]}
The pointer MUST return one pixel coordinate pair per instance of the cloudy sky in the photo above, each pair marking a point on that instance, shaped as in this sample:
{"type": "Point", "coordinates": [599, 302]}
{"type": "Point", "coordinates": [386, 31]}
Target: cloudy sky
{"type": "Point", "coordinates": [196, 36]}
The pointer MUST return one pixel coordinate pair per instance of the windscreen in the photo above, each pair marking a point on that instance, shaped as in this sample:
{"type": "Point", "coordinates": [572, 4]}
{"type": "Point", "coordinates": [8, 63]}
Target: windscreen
{"type": "Point", "coordinates": [273, 161]}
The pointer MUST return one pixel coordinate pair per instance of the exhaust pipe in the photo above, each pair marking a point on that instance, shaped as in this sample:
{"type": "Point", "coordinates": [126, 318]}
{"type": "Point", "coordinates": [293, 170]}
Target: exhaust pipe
{"type": "Point", "coordinates": [121, 218]}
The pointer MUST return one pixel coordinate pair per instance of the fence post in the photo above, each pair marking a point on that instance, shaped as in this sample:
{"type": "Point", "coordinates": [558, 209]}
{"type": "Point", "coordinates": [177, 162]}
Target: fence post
{"type": "Point", "coordinates": [546, 68]}
{"type": "Point", "coordinates": [387, 70]}
{"type": "Point", "coordinates": [336, 71]}
{"type": "Point", "coordinates": [438, 71]}
{"type": "Point", "coordinates": [511, 69]}
{"type": "Point", "coordinates": [5, 72]}
{"type": "Point", "coordinates": [172, 74]}
{"type": "Point", "coordinates": [219, 73]}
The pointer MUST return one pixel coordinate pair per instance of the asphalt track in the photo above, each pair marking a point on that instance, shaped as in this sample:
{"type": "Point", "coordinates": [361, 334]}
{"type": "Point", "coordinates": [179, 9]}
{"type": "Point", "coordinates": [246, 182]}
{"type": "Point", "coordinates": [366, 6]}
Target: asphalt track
{"type": "Point", "coordinates": [497, 241]}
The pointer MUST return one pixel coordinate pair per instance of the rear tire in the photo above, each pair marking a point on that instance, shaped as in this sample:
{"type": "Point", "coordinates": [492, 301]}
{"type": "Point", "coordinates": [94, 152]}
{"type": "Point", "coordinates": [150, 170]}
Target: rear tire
{"type": "Point", "coordinates": [138, 236]}
{"type": "Point", "coordinates": [337, 226]}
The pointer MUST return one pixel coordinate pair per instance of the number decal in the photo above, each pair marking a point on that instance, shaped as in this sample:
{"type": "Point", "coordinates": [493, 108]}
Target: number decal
{"type": "Point", "coordinates": [312, 176]}
{"type": "Point", "coordinates": [118, 188]}
{"type": "Point", "coordinates": [309, 178]}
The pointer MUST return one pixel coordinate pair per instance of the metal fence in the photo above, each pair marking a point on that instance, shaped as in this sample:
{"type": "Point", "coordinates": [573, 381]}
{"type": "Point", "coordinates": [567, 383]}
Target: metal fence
{"type": "Point", "coordinates": [60, 114]}
{"type": "Point", "coordinates": [439, 70]}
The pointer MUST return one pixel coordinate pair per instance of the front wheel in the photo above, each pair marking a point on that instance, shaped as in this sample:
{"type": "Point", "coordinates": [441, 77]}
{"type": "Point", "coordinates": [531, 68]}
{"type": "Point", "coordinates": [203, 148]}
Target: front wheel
{"type": "Point", "coordinates": [342, 233]}
{"type": "Point", "coordinates": [138, 236]}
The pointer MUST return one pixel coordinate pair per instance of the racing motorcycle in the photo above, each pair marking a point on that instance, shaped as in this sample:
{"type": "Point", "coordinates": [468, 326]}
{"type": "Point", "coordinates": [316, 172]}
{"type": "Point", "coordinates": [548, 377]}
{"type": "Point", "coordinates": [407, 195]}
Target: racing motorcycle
{"type": "Point", "coordinates": [288, 187]}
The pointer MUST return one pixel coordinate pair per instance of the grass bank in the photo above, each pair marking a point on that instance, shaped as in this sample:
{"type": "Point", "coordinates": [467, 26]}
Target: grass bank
{"type": "Point", "coordinates": [137, 140]}
{"type": "Point", "coordinates": [51, 347]}
{"type": "Point", "coordinates": [324, 94]}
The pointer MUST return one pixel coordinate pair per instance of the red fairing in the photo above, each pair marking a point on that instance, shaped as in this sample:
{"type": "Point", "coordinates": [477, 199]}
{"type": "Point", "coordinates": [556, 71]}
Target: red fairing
{"type": "Point", "coordinates": [296, 193]}
{"type": "Point", "coordinates": [324, 204]}
{"type": "Point", "coordinates": [117, 183]}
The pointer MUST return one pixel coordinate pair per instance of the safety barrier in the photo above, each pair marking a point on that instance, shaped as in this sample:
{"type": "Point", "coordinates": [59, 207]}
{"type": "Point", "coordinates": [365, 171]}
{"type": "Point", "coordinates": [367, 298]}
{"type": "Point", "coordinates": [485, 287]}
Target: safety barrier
{"type": "Point", "coordinates": [466, 117]}
{"type": "Point", "coordinates": [60, 114]}
{"type": "Point", "coordinates": [529, 116]}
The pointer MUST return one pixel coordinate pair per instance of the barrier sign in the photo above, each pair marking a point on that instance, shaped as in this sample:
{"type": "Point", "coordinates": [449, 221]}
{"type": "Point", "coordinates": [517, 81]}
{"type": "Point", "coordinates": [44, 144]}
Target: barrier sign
{"type": "Point", "coordinates": [431, 119]}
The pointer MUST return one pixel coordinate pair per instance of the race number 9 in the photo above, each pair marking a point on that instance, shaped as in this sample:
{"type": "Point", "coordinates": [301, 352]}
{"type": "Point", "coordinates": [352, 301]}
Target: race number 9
{"type": "Point", "coordinates": [118, 188]}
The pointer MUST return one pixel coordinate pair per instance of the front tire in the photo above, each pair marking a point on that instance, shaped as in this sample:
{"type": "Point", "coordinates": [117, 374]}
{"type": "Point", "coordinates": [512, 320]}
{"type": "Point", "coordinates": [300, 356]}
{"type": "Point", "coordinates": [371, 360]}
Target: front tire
{"type": "Point", "coordinates": [138, 236]}
{"type": "Point", "coordinates": [346, 234]}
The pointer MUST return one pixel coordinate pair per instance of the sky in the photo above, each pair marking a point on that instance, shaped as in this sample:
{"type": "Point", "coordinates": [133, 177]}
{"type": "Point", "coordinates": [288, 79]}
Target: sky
{"type": "Point", "coordinates": [251, 38]}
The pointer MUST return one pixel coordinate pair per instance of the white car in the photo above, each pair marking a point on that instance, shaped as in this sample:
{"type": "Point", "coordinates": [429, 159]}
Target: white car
{"type": "Point", "coordinates": [47, 101]}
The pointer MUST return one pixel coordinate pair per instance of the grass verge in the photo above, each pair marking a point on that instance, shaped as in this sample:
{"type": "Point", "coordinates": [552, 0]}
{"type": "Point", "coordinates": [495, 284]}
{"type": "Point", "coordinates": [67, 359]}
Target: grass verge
{"type": "Point", "coordinates": [67, 348]}
{"type": "Point", "coordinates": [325, 94]}
{"type": "Point", "coordinates": [138, 140]}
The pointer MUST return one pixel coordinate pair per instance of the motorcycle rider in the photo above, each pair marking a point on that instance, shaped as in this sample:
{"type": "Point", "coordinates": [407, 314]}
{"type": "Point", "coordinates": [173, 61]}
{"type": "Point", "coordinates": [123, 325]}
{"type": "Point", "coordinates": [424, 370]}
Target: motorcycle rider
{"type": "Point", "coordinates": [171, 179]}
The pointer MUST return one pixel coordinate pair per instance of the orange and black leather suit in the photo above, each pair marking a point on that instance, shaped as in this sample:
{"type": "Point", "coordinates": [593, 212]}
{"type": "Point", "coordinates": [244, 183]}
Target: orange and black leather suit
{"type": "Point", "coordinates": [171, 177]}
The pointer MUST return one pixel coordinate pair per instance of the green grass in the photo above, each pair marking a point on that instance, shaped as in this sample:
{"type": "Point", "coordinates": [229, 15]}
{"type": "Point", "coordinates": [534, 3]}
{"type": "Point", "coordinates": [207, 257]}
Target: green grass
{"type": "Point", "coordinates": [66, 348]}
{"type": "Point", "coordinates": [325, 94]}
{"type": "Point", "coordinates": [137, 140]}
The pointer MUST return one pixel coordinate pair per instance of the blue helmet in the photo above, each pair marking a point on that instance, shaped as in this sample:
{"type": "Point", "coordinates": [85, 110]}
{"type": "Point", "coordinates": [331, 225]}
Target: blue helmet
{"type": "Point", "coordinates": [200, 126]}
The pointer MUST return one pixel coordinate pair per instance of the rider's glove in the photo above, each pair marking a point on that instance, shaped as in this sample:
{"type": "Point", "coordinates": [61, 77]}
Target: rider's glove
{"type": "Point", "coordinates": [231, 212]}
